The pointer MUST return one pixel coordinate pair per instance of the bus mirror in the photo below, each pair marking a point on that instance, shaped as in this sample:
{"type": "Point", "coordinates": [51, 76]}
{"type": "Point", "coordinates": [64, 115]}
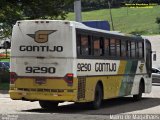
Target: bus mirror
{"type": "Point", "coordinates": [154, 57]}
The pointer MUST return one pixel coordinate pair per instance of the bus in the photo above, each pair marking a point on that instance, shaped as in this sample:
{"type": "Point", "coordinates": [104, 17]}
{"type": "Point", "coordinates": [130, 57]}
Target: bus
{"type": "Point", "coordinates": [53, 61]}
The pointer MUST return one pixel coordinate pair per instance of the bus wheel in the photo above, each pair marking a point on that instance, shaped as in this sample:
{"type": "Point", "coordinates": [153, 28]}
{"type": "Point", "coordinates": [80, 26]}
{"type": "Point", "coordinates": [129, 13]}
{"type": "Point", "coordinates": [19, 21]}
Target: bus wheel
{"type": "Point", "coordinates": [97, 97]}
{"type": "Point", "coordinates": [139, 95]}
{"type": "Point", "coordinates": [48, 104]}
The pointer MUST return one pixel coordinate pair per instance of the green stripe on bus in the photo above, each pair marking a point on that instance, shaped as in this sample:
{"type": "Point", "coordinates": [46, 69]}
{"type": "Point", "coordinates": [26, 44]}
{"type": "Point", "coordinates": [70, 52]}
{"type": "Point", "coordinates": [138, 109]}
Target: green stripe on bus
{"type": "Point", "coordinates": [127, 82]}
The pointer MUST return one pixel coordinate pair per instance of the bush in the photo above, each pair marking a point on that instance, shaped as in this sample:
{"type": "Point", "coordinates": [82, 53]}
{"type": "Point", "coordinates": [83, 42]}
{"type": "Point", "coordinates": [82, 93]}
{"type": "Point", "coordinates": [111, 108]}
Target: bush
{"type": "Point", "coordinates": [4, 77]}
{"type": "Point", "coordinates": [158, 20]}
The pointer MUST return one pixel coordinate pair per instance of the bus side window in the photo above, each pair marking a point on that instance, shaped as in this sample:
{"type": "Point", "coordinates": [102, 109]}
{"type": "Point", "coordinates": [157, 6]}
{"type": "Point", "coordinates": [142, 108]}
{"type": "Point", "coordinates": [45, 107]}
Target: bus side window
{"type": "Point", "coordinates": [97, 51]}
{"type": "Point", "coordinates": [113, 47]}
{"type": "Point", "coordinates": [128, 49]}
{"type": "Point", "coordinates": [118, 48]}
{"type": "Point", "coordinates": [84, 45]}
{"type": "Point", "coordinates": [106, 46]}
{"type": "Point", "coordinates": [102, 46]}
{"type": "Point", "coordinates": [78, 44]}
{"type": "Point", "coordinates": [133, 50]}
{"type": "Point", "coordinates": [123, 49]}
{"type": "Point", "coordinates": [140, 48]}
{"type": "Point", "coordinates": [137, 50]}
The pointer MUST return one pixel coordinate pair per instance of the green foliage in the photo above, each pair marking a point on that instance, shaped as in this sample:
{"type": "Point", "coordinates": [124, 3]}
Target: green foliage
{"type": "Point", "coordinates": [126, 20]}
{"type": "Point", "coordinates": [158, 20]}
{"type": "Point", "coordinates": [100, 4]}
{"type": "Point", "coordinates": [4, 86]}
{"type": "Point", "coordinates": [9, 14]}
{"type": "Point", "coordinates": [45, 9]}
{"type": "Point", "coordinates": [13, 10]}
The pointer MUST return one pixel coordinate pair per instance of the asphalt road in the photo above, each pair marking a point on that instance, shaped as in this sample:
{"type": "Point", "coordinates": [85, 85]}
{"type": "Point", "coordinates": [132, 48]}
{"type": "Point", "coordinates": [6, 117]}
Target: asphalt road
{"type": "Point", "coordinates": [119, 108]}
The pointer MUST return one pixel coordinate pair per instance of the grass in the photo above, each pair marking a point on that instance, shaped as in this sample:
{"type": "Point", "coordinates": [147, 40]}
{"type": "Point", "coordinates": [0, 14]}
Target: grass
{"type": "Point", "coordinates": [4, 59]}
{"type": "Point", "coordinates": [136, 20]}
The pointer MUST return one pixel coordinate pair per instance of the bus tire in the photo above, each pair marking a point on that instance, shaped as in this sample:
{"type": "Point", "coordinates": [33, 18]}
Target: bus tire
{"type": "Point", "coordinates": [48, 104]}
{"type": "Point", "coordinates": [141, 90]}
{"type": "Point", "coordinates": [98, 96]}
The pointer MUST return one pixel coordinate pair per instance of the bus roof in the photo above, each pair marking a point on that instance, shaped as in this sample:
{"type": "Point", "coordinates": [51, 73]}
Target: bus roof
{"type": "Point", "coordinates": [79, 25]}
{"type": "Point", "coordinates": [116, 33]}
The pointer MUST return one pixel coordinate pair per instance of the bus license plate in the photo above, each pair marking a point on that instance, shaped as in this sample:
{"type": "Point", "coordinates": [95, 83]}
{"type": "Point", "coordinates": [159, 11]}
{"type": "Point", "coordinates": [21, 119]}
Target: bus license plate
{"type": "Point", "coordinates": [40, 81]}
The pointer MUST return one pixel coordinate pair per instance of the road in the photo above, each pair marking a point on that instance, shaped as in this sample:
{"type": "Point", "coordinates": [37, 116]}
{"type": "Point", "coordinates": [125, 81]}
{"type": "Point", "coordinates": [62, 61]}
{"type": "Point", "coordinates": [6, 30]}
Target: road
{"type": "Point", "coordinates": [111, 109]}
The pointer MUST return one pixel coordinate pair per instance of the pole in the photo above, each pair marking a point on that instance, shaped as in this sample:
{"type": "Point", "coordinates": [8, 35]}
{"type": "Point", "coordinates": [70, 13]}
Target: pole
{"type": "Point", "coordinates": [109, 4]}
{"type": "Point", "coordinates": [77, 10]}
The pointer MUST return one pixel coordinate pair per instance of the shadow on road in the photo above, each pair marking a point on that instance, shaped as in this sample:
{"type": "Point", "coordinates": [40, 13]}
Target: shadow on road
{"type": "Point", "coordinates": [113, 106]}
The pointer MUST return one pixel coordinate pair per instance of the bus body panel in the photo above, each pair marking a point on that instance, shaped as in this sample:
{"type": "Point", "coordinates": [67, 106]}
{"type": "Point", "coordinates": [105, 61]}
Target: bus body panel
{"type": "Point", "coordinates": [119, 78]}
{"type": "Point", "coordinates": [27, 88]}
{"type": "Point", "coordinates": [41, 57]}
{"type": "Point", "coordinates": [45, 67]}
{"type": "Point", "coordinates": [42, 39]}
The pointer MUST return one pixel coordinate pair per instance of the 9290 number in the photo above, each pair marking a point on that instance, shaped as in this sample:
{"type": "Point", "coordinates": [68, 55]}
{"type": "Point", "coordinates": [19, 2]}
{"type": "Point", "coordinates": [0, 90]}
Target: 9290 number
{"type": "Point", "coordinates": [83, 67]}
{"type": "Point", "coordinates": [40, 69]}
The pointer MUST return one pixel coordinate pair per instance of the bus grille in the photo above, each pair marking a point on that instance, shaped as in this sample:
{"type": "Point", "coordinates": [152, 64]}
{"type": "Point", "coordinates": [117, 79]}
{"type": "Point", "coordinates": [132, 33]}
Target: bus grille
{"type": "Point", "coordinates": [81, 87]}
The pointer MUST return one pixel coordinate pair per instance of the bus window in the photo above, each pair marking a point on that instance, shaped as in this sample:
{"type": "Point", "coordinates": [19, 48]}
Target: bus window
{"type": "Point", "coordinates": [128, 49]}
{"type": "Point", "coordinates": [148, 58]}
{"type": "Point", "coordinates": [96, 46]}
{"type": "Point", "coordinates": [140, 48]}
{"type": "Point", "coordinates": [123, 48]}
{"type": "Point", "coordinates": [113, 47]}
{"type": "Point", "coordinates": [106, 46]}
{"type": "Point", "coordinates": [137, 50]}
{"type": "Point", "coordinates": [133, 50]}
{"type": "Point", "coordinates": [84, 42]}
{"type": "Point", "coordinates": [118, 48]}
{"type": "Point", "coordinates": [78, 44]}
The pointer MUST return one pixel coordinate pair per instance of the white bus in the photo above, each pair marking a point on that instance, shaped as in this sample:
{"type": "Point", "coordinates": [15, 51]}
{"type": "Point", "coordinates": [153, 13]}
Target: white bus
{"type": "Point", "coordinates": [54, 61]}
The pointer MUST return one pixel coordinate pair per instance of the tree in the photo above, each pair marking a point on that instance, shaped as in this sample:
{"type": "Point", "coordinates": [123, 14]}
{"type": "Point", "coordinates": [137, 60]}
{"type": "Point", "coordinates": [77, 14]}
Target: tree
{"type": "Point", "coordinates": [158, 21]}
{"type": "Point", "coordinates": [9, 13]}
{"type": "Point", "coordinates": [13, 10]}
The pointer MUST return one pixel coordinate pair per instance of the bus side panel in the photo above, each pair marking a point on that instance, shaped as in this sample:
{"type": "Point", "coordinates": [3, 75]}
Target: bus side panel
{"type": "Point", "coordinates": [128, 77]}
{"type": "Point", "coordinates": [141, 75]}
{"type": "Point", "coordinates": [109, 72]}
{"type": "Point", "coordinates": [121, 82]}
